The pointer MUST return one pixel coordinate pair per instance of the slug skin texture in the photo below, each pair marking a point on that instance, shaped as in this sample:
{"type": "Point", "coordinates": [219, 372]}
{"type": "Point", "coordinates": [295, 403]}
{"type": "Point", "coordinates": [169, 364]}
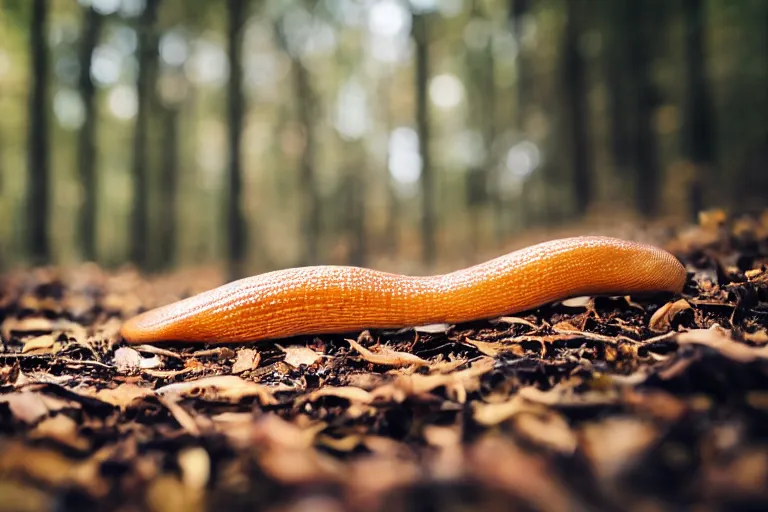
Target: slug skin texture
{"type": "Point", "coordinates": [337, 299]}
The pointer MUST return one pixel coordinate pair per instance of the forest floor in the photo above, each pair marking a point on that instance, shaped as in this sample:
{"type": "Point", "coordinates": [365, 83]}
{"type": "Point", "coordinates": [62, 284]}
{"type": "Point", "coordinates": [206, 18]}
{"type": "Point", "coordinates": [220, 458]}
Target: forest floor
{"type": "Point", "coordinates": [655, 403]}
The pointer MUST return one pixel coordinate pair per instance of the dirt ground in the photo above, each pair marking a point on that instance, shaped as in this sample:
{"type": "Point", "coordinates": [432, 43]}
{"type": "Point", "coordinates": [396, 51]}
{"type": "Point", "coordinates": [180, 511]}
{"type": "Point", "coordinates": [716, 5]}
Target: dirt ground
{"type": "Point", "coordinates": [610, 403]}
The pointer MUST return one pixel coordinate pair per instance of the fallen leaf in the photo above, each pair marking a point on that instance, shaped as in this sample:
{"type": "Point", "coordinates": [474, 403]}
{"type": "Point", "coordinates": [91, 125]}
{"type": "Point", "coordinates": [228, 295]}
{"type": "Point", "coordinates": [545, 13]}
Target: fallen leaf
{"type": "Point", "coordinates": [661, 320]}
{"type": "Point", "coordinates": [720, 339]}
{"type": "Point", "coordinates": [387, 356]}
{"type": "Point", "coordinates": [124, 396]}
{"type": "Point", "coordinates": [351, 393]}
{"type": "Point", "coordinates": [61, 429]}
{"type": "Point", "coordinates": [297, 355]}
{"type": "Point", "coordinates": [247, 359]}
{"type": "Point", "coordinates": [220, 387]}
{"type": "Point", "coordinates": [39, 344]}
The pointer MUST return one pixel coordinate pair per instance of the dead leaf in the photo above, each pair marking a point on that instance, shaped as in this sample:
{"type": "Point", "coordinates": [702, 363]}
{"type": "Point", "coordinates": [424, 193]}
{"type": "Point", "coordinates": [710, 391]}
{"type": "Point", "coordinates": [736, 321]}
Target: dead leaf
{"type": "Point", "coordinates": [220, 387]}
{"type": "Point", "coordinates": [351, 393]}
{"type": "Point", "coordinates": [547, 428]}
{"type": "Point", "coordinates": [661, 320]}
{"type": "Point", "coordinates": [614, 443]}
{"type": "Point", "coordinates": [30, 406]}
{"type": "Point", "coordinates": [297, 355]}
{"type": "Point", "coordinates": [247, 359]}
{"type": "Point", "coordinates": [62, 429]}
{"type": "Point", "coordinates": [124, 396]}
{"type": "Point", "coordinates": [387, 356]}
{"type": "Point", "coordinates": [39, 344]}
{"type": "Point", "coordinates": [720, 339]}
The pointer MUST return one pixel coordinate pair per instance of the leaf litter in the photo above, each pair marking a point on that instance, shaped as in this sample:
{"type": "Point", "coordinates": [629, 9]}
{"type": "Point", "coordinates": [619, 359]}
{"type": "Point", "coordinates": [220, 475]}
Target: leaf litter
{"type": "Point", "coordinates": [592, 403]}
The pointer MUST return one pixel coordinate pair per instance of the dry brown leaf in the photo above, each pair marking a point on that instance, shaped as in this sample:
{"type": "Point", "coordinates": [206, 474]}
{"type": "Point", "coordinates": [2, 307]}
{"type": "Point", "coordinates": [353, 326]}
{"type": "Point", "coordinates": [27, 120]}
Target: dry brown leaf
{"type": "Point", "coordinates": [496, 461]}
{"type": "Point", "coordinates": [351, 393]}
{"type": "Point", "coordinates": [614, 443]}
{"type": "Point", "coordinates": [512, 320]}
{"type": "Point", "coordinates": [182, 416]}
{"type": "Point", "coordinates": [61, 429]}
{"type": "Point", "coordinates": [29, 406]}
{"type": "Point", "coordinates": [661, 320]}
{"type": "Point", "coordinates": [387, 356]}
{"type": "Point", "coordinates": [247, 359]}
{"type": "Point", "coordinates": [720, 339]}
{"type": "Point", "coordinates": [486, 348]}
{"type": "Point", "coordinates": [547, 428]}
{"type": "Point", "coordinates": [47, 467]}
{"type": "Point", "coordinates": [124, 396]}
{"type": "Point", "coordinates": [297, 355]}
{"type": "Point", "coordinates": [495, 413]}
{"type": "Point", "coordinates": [456, 383]}
{"type": "Point", "coordinates": [221, 387]}
{"type": "Point", "coordinates": [43, 344]}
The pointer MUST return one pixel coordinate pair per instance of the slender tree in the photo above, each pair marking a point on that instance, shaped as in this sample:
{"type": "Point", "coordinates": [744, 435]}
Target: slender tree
{"type": "Point", "coordinates": [169, 178]}
{"type": "Point", "coordinates": [86, 141]}
{"type": "Point", "coordinates": [147, 57]}
{"type": "Point", "coordinates": [39, 191]}
{"type": "Point", "coordinates": [575, 95]}
{"type": "Point", "coordinates": [421, 39]}
{"type": "Point", "coordinates": [698, 138]}
{"type": "Point", "coordinates": [645, 24]}
{"type": "Point", "coordinates": [237, 231]}
{"type": "Point", "coordinates": [616, 25]}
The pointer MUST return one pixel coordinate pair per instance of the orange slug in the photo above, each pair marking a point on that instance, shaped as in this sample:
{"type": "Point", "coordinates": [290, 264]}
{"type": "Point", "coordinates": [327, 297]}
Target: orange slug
{"type": "Point", "coordinates": [340, 299]}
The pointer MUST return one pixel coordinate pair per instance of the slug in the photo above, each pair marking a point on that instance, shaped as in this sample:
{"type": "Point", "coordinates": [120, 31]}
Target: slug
{"type": "Point", "coordinates": [338, 299]}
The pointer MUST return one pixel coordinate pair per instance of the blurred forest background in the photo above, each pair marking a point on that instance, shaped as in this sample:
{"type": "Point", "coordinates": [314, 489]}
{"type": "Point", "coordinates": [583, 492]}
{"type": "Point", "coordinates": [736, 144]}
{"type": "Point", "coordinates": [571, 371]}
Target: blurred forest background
{"type": "Point", "coordinates": [272, 133]}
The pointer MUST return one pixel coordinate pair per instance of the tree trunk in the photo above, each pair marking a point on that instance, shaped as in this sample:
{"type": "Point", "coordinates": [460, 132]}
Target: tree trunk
{"type": "Point", "coordinates": [237, 232]}
{"type": "Point", "coordinates": [147, 57]}
{"type": "Point", "coordinates": [309, 192]}
{"type": "Point", "coordinates": [643, 28]}
{"type": "Point", "coordinates": [616, 26]}
{"type": "Point", "coordinates": [421, 38]}
{"type": "Point", "coordinates": [86, 142]}
{"type": "Point", "coordinates": [356, 204]}
{"type": "Point", "coordinates": [39, 187]}
{"type": "Point", "coordinates": [698, 138]}
{"type": "Point", "coordinates": [577, 106]}
{"type": "Point", "coordinates": [169, 178]}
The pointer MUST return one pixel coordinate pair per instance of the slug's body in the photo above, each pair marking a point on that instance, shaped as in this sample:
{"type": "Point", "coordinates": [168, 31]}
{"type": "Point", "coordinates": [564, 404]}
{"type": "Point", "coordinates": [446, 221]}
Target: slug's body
{"type": "Point", "coordinates": [336, 299]}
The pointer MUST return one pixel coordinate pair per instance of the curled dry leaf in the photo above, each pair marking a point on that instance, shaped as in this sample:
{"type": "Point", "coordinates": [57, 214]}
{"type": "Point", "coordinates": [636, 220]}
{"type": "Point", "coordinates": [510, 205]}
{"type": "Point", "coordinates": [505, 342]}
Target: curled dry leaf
{"type": "Point", "coordinates": [387, 356]}
{"type": "Point", "coordinates": [720, 339]}
{"type": "Point", "coordinates": [221, 387]}
{"type": "Point", "coordinates": [351, 393]}
{"type": "Point", "coordinates": [661, 320]}
{"type": "Point", "coordinates": [456, 383]}
{"type": "Point", "coordinates": [487, 348]}
{"type": "Point", "coordinates": [514, 320]}
{"type": "Point", "coordinates": [43, 344]}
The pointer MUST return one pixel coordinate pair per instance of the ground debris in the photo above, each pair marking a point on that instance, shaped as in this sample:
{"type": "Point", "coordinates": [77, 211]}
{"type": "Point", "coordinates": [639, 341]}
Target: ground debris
{"type": "Point", "coordinates": [594, 403]}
